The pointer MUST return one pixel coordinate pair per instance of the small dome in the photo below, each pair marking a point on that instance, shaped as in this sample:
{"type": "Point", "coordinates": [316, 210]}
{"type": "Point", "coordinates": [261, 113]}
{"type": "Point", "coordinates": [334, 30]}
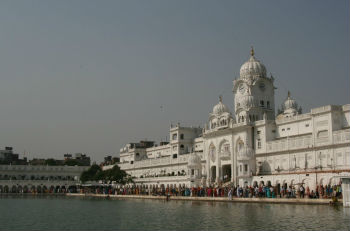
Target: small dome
{"type": "Point", "coordinates": [246, 153]}
{"type": "Point", "coordinates": [252, 67]}
{"type": "Point", "coordinates": [290, 103]}
{"type": "Point", "coordinates": [220, 108]}
{"type": "Point", "coordinates": [194, 161]}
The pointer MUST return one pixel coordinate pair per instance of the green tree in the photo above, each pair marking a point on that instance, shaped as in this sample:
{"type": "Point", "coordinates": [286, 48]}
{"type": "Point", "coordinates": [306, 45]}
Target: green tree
{"type": "Point", "coordinates": [95, 173]}
{"type": "Point", "coordinates": [91, 173]}
{"type": "Point", "coordinates": [51, 162]}
{"type": "Point", "coordinates": [72, 162]}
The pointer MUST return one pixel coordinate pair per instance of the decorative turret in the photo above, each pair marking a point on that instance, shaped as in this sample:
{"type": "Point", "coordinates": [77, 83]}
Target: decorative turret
{"type": "Point", "coordinates": [254, 92]}
{"type": "Point", "coordinates": [289, 108]}
{"type": "Point", "coordinates": [220, 108]}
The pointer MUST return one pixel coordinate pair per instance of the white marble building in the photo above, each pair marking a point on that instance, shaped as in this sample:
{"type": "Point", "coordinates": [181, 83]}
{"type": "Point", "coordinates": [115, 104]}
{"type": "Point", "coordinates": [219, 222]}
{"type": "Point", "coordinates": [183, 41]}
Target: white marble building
{"type": "Point", "coordinates": [251, 145]}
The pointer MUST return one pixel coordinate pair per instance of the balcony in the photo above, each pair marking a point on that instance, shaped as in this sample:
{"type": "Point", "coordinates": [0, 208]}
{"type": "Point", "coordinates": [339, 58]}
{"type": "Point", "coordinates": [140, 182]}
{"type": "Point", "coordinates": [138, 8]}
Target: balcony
{"type": "Point", "coordinates": [225, 155]}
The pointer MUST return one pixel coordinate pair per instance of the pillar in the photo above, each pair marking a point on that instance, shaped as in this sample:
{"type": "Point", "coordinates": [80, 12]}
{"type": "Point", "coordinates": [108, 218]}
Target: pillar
{"type": "Point", "coordinates": [345, 186]}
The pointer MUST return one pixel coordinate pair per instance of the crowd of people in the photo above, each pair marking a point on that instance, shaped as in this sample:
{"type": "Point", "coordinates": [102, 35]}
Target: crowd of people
{"type": "Point", "coordinates": [262, 191]}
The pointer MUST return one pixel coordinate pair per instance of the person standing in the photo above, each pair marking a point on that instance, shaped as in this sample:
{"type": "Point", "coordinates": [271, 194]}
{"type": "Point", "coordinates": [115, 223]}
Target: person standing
{"type": "Point", "coordinates": [301, 189]}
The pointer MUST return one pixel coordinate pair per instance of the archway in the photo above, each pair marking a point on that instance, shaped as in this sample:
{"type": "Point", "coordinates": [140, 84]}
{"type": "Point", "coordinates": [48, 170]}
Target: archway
{"type": "Point", "coordinates": [14, 189]}
{"type": "Point", "coordinates": [38, 189]}
{"type": "Point", "coordinates": [6, 189]}
{"type": "Point", "coordinates": [25, 189]}
{"type": "Point", "coordinates": [213, 173]}
{"type": "Point", "coordinates": [226, 172]}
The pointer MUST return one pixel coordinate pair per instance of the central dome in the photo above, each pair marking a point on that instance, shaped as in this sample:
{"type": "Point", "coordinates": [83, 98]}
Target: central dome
{"type": "Point", "coordinates": [252, 68]}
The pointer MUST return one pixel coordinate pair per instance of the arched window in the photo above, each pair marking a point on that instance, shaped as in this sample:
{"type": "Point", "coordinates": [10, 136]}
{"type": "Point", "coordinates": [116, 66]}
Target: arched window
{"type": "Point", "coordinates": [182, 146]}
{"type": "Point", "coordinates": [174, 136]}
{"type": "Point", "coordinates": [240, 145]}
{"type": "Point", "coordinates": [181, 136]}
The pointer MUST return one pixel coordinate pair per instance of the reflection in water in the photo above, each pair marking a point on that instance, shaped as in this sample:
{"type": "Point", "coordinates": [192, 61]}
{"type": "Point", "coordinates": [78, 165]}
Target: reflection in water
{"type": "Point", "coordinates": [57, 213]}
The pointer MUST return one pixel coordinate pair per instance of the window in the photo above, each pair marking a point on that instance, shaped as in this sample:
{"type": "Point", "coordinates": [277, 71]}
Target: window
{"type": "Point", "coordinates": [273, 131]}
{"type": "Point", "coordinates": [262, 103]}
{"type": "Point", "coordinates": [182, 146]}
{"type": "Point", "coordinates": [137, 154]}
{"type": "Point", "coordinates": [268, 104]}
{"type": "Point", "coordinates": [240, 168]}
{"type": "Point", "coordinates": [181, 136]}
{"type": "Point", "coordinates": [174, 156]}
{"type": "Point", "coordinates": [258, 132]}
{"type": "Point", "coordinates": [245, 167]}
{"type": "Point", "coordinates": [227, 148]}
{"type": "Point", "coordinates": [283, 129]}
{"type": "Point", "coordinates": [174, 136]}
{"type": "Point", "coordinates": [259, 143]}
{"type": "Point", "coordinates": [192, 172]}
{"type": "Point", "coordinates": [288, 129]}
{"type": "Point", "coordinates": [307, 125]}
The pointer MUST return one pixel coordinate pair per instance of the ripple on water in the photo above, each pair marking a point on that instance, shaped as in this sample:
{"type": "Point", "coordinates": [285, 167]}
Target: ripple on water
{"type": "Point", "coordinates": [43, 213]}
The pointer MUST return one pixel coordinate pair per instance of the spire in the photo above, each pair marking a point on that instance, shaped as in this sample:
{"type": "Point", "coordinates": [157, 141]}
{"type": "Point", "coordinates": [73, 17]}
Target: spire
{"type": "Point", "coordinates": [252, 51]}
{"type": "Point", "coordinates": [220, 98]}
{"type": "Point", "coordinates": [288, 94]}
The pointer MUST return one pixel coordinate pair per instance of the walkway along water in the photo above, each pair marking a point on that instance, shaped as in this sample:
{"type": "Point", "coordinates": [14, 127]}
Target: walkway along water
{"type": "Point", "coordinates": [214, 199]}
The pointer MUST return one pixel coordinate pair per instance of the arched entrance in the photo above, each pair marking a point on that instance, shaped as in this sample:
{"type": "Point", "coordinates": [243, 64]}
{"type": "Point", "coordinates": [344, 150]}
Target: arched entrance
{"type": "Point", "coordinates": [226, 172]}
{"type": "Point", "coordinates": [213, 173]}
{"type": "Point", "coordinates": [14, 189]}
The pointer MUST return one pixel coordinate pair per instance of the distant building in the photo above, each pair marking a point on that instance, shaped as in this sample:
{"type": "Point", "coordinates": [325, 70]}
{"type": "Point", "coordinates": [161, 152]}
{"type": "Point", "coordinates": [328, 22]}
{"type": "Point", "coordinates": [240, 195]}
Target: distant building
{"type": "Point", "coordinates": [8, 157]}
{"type": "Point", "coordinates": [82, 159]}
{"type": "Point", "coordinates": [109, 160]}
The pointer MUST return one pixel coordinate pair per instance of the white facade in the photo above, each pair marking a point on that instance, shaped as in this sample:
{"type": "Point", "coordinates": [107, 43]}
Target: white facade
{"type": "Point", "coordinates": [252, 145]}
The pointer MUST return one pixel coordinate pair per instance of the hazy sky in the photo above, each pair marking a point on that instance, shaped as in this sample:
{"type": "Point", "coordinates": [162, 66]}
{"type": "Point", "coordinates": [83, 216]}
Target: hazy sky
{"type": "Point", "coordinates": [91, 76]}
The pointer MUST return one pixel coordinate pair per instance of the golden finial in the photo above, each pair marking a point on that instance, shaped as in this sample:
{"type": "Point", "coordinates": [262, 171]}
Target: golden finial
{"type": "Point", "coordinates": [252, 51]}
{"type": "Point", "coordinates": [220, 98]}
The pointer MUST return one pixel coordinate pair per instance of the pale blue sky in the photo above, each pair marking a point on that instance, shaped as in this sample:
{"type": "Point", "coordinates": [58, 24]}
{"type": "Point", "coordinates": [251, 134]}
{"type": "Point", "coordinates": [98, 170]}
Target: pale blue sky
{"type": "Point", "coordinates": [90, 76]}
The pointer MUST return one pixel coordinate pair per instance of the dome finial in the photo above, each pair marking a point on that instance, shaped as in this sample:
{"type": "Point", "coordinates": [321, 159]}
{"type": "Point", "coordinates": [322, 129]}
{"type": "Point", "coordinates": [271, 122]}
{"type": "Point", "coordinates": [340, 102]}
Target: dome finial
{"type": "Point", "coordinates": [288, 94]}
{"type": "Point", "coordinates": [220, 98]}
{"type": "Point", "coordinates": [252, 51]}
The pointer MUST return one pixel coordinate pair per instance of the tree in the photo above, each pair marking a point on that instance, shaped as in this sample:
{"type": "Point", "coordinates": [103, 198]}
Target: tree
{"type": "Point", "coordinates": [51, 162]}
{"type": "Point", "coordinates": [91, 173]}
{"type": "Point", "coordinates": [95, 173]}
{"type": "Point", "coordinates": [72, 162]}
